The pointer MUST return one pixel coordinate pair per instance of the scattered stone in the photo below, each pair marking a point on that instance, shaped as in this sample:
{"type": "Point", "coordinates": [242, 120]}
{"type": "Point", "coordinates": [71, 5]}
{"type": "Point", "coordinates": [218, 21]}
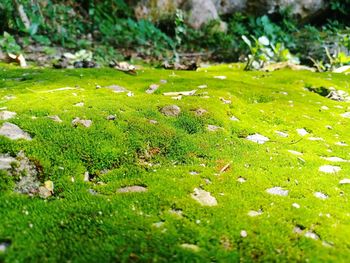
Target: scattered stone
{"type": "Point", "coordinates": [345, 181]}
{"type": "Point", "coordinates": [203, 197]}
{"type": "Point", "coordinates": [297, 230]}
{"type": "Point", "coordinates": [324, 108]}
{"type": "Point", "coordinates": [233, 118]}
{"type": "Point", "coordinates": [180, 93]}
{"type": "Point", "coordinates": [193, 173]}
{"type": "Point", "coordinates": [153, 122]}
{"type": "Point", "coordinates": [6, 162]}
{"type": "Point", "coordinates": [302, 132]}
{"type": "Point", "coordinates": [315, 139]}
{"type": "Point", "coordinates": [158, 224]}
{"type": "Point", "coordinates": [6, 115]}
{"type": "Point", "coordinates": [258, 138]}
{"type": "Point", "coordinates": [329, 127]}
{"type": "Point", "coordinates": [13, 132]}
{"type": "Point", "coordinates": [79, 104]}
{"type": "Point", "coordinates": [163, 81]}
{"type": "Point", "coordinates": [192, 247]}
{"type": "Point", "coordinates": [111, 117]}
{"type": "Point", "coordinates": [77, 121]}
{"type": "Point", "coordinates": [9, 97]}
{"type": "Point", "coordinates": [220, 77]}
{"type": "Point", "coordinates": [294, 152]}
{"type": "Point", "coordinates": [329, 169]}
{"type": "Point", "coordinates": [253, 213]}
{"type": "Point", "coordinates": [177, 97]}
{"type": "Point", "coordinates": [176, 212]}
{"type": "Point", "coordinates": [277, 191]}
{"type": "Point", "coordinates": [152, 88]}
{"type": "Point", "coordinates": [295, 205]}
{"type": "Point", "coordinates": [335, 159]}
{"type": "Point", "coordinates": [55, 118]}
{"type": "Point", "coordinates": [130, 94]}
{"type": "Point", "coordinates": [225, 101]}
{"type": "Point", "coordinates": [243, 233]}
{"type": "Point", "coordinates": [171, 110]}
{"type": "Point", "coordinates": [213, 128]}
{"type": "Point", "coordinates": [320, 195]}
{"type": "Point", "coordinates": [92, 192]}
{"type": "Point", "coordinates": [98, 87]}
{"type": "Point", "coordinates": [202, 86]}
{"type": "Point", "coordinates": [132, 189]}
{"type": "Point", "coordinates": [200, 112]}
{"type": "Point", "coordinates": [312, 235]}
{"type": "Point", "coordinates": [346, 115]}
{"type": "Point", "coordinates": [117, 89]}
{"type": "Point", "coordinates": [341, 144]}
{"type": "Point", "coordinates": [241, 180]}
{"type": "Point", "coordinates": [282, 134]}
{"type": "Point", "coordinates": [4, 245]}
{"type": "Point", "coordinates": [44, 192]}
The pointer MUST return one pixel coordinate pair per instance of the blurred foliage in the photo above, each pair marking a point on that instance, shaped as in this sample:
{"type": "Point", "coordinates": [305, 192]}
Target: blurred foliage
{"type": "Point", "coordinates": [109, 28]}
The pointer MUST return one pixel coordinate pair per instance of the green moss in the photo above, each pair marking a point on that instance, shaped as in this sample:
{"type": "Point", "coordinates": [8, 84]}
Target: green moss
{"type": "Point", "coordinates": [75, 225]}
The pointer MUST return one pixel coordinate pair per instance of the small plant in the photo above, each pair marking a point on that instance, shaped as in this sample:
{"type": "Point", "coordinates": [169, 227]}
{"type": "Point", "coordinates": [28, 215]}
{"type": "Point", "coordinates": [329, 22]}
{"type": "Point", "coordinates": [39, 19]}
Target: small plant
{"type": "Point", "coordinates": [262, 52]}
{"type": "Point", "coordinates": [8, 44]}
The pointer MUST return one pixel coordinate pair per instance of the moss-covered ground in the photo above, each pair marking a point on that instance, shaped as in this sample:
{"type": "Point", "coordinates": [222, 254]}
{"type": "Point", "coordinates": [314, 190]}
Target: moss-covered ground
{"type": "Point", "coordinates": [90, 221]}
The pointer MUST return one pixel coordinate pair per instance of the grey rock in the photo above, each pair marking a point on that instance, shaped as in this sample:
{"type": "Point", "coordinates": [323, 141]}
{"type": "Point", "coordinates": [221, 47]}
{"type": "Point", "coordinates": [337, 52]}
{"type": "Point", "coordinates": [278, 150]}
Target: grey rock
{"type": "Point", "coordinates": [152, 88]}
{"type": "Point", "coordinates": [132, 189]}
{"type": "Point", "coordinates": [203, 197]}
{"type": "Point", "coordinates": [86, 123]}
{"type": "Point", "coordinates": [258, 138]}
{"type": "Point", "coordinates": [6, 115]}
{"type": "Point", "coordinates": [111, 117]}
{"type": "Point", "coordinates": [6, 162]}
{"type": "Point", "coordinates": [13, 132]}
{"type": "Point", "coordinates": [117, 89]}
{"type": "Point", "coordinates": [55, 118]}
{"type": "Point", "coordinates": [171, 110]}
{"type": "Point", "coordinates": [277, 191]}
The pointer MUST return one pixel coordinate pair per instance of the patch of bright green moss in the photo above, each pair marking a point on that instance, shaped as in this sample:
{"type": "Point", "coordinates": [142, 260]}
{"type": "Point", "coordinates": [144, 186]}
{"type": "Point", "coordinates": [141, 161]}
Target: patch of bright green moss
{"type": "Point", "coordinates": [171, 158]}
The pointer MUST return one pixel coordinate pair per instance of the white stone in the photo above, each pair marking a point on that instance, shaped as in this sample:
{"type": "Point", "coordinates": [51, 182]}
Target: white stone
{"type": "Point", "coordinates": [346, 115]}
{"type": "Point", "coordinates": [341, 144]}
{"type": "Point", "coordinates": [315, 139]}
{"type": "Point", "coordinates": [320, 195]}
{"type": "Point", "coordinates": [220, 77]}
{"type": "Point", "coordinates": [335, 159]}
{"type": "Point", "coordinates": [312, 235]}
{"type": "Point", "coordinates": [277, 191]}
{"type": "Point", "coordinates": [6, 161]}
{"type": "Point", "coordinates": [258, 138]}
{"type": "Point", "coordinates": [86, 123]}
{"type": "Point", "coordinates": [79, 104]}
{"type": "Point", "coordinates": [253, 213]}
{"type": "Point", "coordinates": [132, 189]}
{"type": "Point", "coordinates": [329, 169]}
{"type": "Point", "coordinates": [324, 108]}
{"type": "Point", "coordinates": [55, 118]}
{"type": "Point", "coordinates": [6, 115]}
{"type": "Point", "coordinates": [295, 152]}
{"type": "Point", "coordinates": [13, 132]}
{"type": "Point", "coordinates": [213, 128]}
{"type": "Point", "coordinates": [243, 233]}
{"type": "Point", "coordinates": [302, 132]}
{"type": "Point", "coordinates": [282, 134]}
{"type": "Point", "coordinates": [241, 180]}
{"type": "Point", "coordinates": [233, 118]}
{"type": "Point", "coordinates": [295, 205]}
{"type": "Point", "coordinates": [203, 197]}
{"type": "Point", "coordinates": [192, 247]}
{"type": "Point", "coordinates": [345, 181]}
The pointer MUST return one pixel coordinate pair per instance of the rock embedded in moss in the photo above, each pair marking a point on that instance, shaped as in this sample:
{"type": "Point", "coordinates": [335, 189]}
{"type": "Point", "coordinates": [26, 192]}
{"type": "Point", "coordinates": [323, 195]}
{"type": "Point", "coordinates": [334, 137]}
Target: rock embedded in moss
{"type": "Point", "coordinates": [13, 132]}
{"type": "Point", "coordinates": [6, 115]}
{"type": "Point", "coordinates": [171, 110]}
{"type": "Point", "coordinates": [203, 197]}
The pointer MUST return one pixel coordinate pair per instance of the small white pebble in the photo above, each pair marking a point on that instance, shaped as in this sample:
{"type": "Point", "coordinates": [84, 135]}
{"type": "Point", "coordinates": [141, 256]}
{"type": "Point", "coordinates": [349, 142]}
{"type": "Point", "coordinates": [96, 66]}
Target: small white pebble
{"type": "Point", "coordinates": [295, 205]}
{"type": "Point", "coordinates": [244, 233]}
